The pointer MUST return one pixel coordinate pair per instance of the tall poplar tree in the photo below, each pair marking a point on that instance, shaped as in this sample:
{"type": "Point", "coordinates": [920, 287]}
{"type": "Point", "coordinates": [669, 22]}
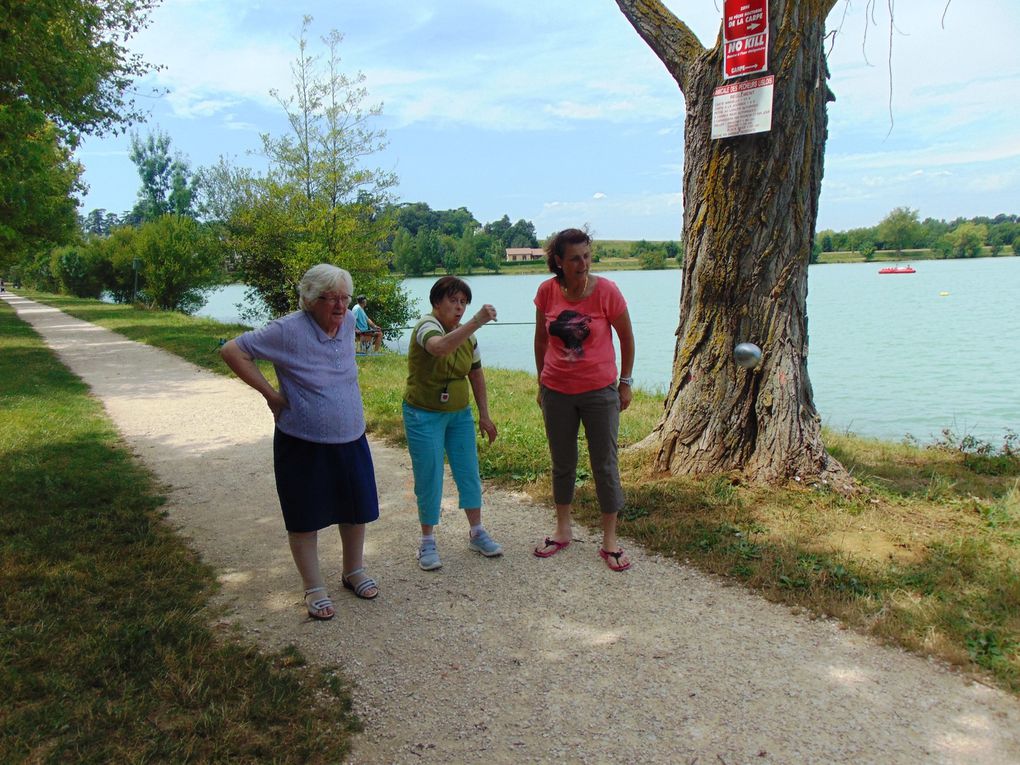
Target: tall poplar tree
{"type": "Point", "coordinates": [166, 179]}
{"type": "Point", "coordinates": [320, 202]}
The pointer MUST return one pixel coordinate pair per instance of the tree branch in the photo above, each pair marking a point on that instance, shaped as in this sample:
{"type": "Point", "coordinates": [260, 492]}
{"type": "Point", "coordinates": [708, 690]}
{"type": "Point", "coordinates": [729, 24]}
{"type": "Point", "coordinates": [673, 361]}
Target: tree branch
{"type": "Point", "coordinates": [670, 39]}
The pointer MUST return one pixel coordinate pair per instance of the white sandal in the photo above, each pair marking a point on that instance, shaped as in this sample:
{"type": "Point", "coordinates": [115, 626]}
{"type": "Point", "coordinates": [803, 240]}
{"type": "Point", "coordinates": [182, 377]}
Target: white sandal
{"type": "Point", "coordinates": [321, 604]}
{"type": "Point", "coordinates": [364, 585]}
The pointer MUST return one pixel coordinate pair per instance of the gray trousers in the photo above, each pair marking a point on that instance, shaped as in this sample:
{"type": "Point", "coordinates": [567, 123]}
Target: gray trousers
{"type": "Point", "coordinates": [599, 411]}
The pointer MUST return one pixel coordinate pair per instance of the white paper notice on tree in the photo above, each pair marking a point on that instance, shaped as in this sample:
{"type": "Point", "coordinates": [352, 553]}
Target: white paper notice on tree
{"type": "Point", "coordinates": [742, 107]}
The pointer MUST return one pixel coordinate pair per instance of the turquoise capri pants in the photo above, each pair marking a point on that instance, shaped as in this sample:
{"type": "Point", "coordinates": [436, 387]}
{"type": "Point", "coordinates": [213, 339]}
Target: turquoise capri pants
{"type": "Point", "coordinates": [430, 435]}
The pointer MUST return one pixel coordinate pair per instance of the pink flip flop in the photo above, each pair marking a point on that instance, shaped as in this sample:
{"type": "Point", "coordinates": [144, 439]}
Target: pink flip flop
{"type": "Point", "coordinates": [612, 559]}
{"type": "Point", "coordinates": [541, 552]}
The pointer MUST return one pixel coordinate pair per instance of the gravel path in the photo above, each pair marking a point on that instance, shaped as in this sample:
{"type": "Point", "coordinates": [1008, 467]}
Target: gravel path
{"type": "Point", "coordinates": [518, 659]}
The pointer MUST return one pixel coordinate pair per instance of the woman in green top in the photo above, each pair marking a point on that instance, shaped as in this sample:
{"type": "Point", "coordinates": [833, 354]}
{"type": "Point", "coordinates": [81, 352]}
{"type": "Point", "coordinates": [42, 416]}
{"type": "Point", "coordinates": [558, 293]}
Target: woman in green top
{"type": "Point", "coordinates": [442, 360]}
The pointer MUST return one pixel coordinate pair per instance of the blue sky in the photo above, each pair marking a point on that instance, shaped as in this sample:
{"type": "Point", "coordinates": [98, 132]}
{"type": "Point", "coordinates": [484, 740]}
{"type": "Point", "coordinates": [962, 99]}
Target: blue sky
{"type": "Point", "coordinates": [557, 112]}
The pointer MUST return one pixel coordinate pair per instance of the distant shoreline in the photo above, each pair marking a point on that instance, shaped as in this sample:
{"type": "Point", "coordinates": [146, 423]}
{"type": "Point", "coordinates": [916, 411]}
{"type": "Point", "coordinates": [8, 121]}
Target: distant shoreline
{"type": "Point", "coordinates": [633, 264]}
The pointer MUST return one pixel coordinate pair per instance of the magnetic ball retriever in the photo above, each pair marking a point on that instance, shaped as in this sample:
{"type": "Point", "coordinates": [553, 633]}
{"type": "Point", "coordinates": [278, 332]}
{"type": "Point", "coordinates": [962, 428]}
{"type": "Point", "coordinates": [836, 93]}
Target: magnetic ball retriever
{"type": "Point", "coordinates": [747, 355]}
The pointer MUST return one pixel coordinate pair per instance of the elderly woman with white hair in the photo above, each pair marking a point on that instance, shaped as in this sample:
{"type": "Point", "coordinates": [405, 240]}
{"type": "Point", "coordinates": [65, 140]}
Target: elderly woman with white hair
{"type": "Point", "coordinates": [323, 466]}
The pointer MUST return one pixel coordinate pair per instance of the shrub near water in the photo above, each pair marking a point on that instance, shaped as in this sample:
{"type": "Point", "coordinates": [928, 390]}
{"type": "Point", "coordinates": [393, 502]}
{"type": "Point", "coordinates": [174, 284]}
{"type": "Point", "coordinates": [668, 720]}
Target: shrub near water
{"type": "Point", "coordinates": [105, 650]}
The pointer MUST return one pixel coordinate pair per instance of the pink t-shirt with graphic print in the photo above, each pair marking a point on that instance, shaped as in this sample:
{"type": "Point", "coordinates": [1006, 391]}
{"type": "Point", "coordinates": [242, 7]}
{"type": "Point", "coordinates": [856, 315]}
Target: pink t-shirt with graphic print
{"type": "Point", "coordinates": [579, 355]}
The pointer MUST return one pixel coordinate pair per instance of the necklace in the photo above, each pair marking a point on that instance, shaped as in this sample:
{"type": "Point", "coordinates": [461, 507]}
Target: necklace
{"type": "Point", "coordinates": [584, 287]}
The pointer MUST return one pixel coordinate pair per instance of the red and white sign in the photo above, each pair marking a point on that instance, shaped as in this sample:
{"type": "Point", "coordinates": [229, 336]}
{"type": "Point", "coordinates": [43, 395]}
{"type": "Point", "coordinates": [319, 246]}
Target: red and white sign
{"type": "Point", "coordinates": [744, 18]}
{"type": "Point", "coordinates": [742, 108]}
{"type": "Point", "coordinates": [745, 37]}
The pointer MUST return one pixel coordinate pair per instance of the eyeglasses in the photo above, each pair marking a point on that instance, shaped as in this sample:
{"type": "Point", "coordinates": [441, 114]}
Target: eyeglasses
{"type": "Point", "coordinates": [334, 299]}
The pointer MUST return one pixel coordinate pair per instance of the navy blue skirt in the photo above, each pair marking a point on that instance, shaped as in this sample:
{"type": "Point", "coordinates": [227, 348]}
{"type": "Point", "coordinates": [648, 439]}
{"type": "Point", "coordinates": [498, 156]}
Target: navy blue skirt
{"type": "Point", "coordinates": [322, 485]}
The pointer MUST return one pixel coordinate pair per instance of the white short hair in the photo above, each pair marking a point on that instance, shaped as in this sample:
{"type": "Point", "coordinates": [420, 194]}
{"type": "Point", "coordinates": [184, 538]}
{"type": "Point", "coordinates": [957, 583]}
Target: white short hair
{"type": "Point", "coordinates": [319, 279]}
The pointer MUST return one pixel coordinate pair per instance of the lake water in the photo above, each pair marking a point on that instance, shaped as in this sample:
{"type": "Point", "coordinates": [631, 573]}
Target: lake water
{"type": "Point", "coordinates": [890, 355]}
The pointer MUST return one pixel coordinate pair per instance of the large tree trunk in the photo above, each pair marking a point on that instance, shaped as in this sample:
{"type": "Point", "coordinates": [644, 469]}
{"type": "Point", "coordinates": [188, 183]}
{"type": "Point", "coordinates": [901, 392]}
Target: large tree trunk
{"type": "Point", "coordinates": [750, 205]}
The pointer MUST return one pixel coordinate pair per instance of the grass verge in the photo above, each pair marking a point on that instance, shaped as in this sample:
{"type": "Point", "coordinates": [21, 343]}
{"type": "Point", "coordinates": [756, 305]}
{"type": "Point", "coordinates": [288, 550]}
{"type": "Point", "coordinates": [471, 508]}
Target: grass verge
{"type": "Point", "coordinates": [106, 649]}
{"type": "Point", "coordinates": [928, 558]}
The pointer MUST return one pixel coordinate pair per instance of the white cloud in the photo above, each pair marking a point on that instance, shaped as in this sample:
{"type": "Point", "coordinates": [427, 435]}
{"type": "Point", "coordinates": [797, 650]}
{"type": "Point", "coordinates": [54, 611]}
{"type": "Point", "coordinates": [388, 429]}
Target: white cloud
{"type": "Point", "coordinates": [960, 152]}
{"type": "Point", "coordinates": [632, 216]}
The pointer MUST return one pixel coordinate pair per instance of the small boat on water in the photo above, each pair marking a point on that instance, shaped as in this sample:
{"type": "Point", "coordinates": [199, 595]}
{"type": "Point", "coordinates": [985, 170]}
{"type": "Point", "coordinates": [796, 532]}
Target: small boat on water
{"type": "Point", "coordinates": [897, 270]}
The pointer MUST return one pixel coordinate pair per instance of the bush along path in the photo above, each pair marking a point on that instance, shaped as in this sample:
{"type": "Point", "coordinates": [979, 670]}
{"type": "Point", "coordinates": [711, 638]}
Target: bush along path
{"type": "Point", "coordinates": [519, 659]}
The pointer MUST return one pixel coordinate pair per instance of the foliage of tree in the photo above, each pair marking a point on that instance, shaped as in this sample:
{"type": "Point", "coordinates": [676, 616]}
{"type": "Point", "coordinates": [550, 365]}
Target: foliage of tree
{"type": "Point", "coordinates": [99, 222]}
{"type": "Point", "coordinates": [640, 247]}
{"type": "Point", "coordinates": [65, 71]}
{"type": "Point", "coordinates": [414, 216]}
{"type": "Point", "coordinates": [36, 271]}
{"type": "Point", "coordinates": [221, 190]}
{"type": "Point", "coordinates": [417, 254]}
{"type": "Point", "coordinates": [498, 228]}
{"type": "Point", "coordinates": [475, 249]}
{"type": "Point", "coordinates": [900, 229]}
{"type": "Point", "coordinates": [180, 263]}
{"type": "Point", "coordinates": [866, 248]}
{"type": "Point", "coordinates": [456, 222]}
{"type": "Point", "coordinates": [933, 229]}
{"type": "Point", "coordinates": [120, 251]}
{"type": "Point", "coordinates": [488, 252]}
{"type": "Point", "coordinates": [80, 270]}
{"type": "Point", "coordinates": [602, 250]}
{"type": "Point", "coordinates": [38, 182]}
{"type": "Point", "coordinates": [402, 249]}
{"type": "Point", "coordinates": [166, 179]}
{"type": "Point", "coordinates": [521, 234]}
{"type": "Point", "coordinates": [86, 268]}
{"type": "Point", "coordinates": [418, 216]}
{"type": "Point", "coordinates": [652, 260]}
{"type": "Point", "coordinates": [318, 202]}
{"type": "Point", "coordinates": [1002, 234]}
{"type": "Point", "coordinates": [651, 255]}
{"type": "Point", "coordinates": [968, 238]}
{"type": "Point", "coordinates": [69, 61]}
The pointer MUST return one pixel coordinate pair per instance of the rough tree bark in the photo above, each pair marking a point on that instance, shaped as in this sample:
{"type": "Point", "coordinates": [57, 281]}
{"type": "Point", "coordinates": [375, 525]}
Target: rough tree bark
{"type": "Point", "coordinates": [750, 205]}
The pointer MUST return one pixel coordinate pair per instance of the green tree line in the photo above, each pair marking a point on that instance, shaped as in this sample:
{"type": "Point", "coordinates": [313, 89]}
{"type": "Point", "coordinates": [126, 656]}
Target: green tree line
{"type": "Point", "coordinates": [426, 240]}
{"type": "Point", "coordinates": [902, 229]}
{"type": "Point", "coordinates": [652, 255]}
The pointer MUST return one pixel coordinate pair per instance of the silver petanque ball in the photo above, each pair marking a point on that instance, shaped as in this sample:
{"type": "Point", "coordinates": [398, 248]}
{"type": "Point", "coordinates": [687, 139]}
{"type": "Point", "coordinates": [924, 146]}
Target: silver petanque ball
{"type": "Point", "coordinates": [747, 355]}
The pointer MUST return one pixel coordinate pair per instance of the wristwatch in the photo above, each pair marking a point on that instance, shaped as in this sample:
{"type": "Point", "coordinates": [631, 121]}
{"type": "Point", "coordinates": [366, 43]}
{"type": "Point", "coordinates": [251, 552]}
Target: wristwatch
{"type": "Point", "coordinates": [627, 381]}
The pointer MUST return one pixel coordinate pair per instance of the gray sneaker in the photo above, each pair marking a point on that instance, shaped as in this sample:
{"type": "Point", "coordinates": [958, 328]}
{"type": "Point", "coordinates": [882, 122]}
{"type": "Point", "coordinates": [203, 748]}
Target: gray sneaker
{"type": "Point", "coordinates": [428, 557]}
{"type": "Point", "coordinates": [486, 545]}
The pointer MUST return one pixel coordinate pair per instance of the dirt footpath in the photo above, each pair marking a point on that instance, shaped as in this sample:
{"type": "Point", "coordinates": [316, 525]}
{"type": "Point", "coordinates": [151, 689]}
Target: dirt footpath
{"type": "Point", "coordinates": [518, 659]}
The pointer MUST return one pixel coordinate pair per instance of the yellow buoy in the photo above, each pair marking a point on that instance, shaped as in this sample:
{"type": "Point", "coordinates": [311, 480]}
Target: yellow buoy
{"type": "Point", "coordinates": [943, 294]}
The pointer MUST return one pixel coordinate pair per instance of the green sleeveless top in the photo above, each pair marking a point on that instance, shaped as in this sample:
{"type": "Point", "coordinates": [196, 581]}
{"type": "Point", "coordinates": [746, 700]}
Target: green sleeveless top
{"type": "Point", "coordinates": [428, 376]}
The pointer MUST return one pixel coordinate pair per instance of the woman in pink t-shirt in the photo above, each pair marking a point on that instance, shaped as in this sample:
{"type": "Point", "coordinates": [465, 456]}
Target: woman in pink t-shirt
{"type": "Point", "coordinates": [576, 315]}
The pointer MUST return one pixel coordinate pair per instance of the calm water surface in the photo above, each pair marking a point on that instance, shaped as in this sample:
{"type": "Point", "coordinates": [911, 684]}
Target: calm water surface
{"type": "Point", "coordinates": [890, 355]}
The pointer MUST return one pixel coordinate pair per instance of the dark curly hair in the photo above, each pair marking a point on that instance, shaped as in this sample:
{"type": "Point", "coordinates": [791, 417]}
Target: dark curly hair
{"type": "Point", "coordinates": [558, 243]}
